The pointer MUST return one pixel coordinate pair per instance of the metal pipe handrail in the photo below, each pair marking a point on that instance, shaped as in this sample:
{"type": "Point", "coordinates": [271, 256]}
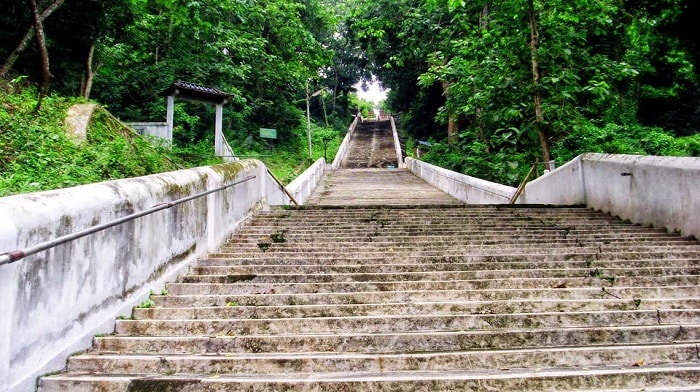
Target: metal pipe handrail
{"type": "Point", "coordinates": [16, 255]}
{"type": "Point", "coordinates": [521, 187]}
{"type": "Point", "coordinates": [284, 189]}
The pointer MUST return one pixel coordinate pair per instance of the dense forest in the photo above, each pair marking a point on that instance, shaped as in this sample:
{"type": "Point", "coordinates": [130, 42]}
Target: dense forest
{"type": "Point", "coordinates": [491, 86]}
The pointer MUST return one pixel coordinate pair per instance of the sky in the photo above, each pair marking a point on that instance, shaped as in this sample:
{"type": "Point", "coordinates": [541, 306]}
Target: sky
{"type": "Point", "coordinates": [374, 93]}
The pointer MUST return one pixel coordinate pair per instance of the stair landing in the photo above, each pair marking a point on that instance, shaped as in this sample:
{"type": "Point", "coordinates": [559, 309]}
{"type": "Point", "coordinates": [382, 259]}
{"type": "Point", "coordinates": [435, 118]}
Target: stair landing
{"type": "Point", "coordinates": [369, 187]}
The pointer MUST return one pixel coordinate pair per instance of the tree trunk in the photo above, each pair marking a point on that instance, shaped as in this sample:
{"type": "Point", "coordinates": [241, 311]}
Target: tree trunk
{"type": "Point", "coordinates": [452, 126]}
{"type": "Point", "coordinates": [12, 58]}
{"type": "Point", "coordinates": [484, 17]}
{"type": "Point", "coordinates": [41, 43]}
{"type": "Point", "coordinates": [86, 86]}
{"type": "Point", "coordinates": [539, 116]}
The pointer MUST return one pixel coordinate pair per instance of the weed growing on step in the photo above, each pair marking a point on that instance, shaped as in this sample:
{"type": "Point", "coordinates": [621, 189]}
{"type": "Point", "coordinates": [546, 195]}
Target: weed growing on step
{"type": "Point", "coordinates": [232, 304]}
{"type": "Point", "coordinates": [278, 237]}
{"type": "Point", "coordinates": [146, 304]}
{"type": "Point", "coordinates": [598, 274]}
{"type": "Point", "coordinates": [264, 245]}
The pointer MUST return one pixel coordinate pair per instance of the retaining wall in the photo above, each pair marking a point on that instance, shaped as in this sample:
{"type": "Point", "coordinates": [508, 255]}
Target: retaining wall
{"type": "Point", "coordinates": [470, 190]}
{"type": "Point", "coordinates": [649, 190]}
{"type": "Point", "coordinates": [345, 145]}
{"type": "Point", "coordinates": [54, 302]}
{"type": "Point", "coordinates": [302, 187]}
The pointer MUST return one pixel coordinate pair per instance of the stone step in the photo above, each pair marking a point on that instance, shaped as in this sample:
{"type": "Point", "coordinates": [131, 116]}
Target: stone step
{"type": "Point", "coordinates": [404, 323]}
{"type": "Point", "coordinates": [233, 310]}
{"type": "Point", "coordinates": [265, 245]}
{"type": "Point", "coordinates": [294, 276]}
{"type": "Point", "coordinates": [650, 379]}
{"type": "Point", "coordinates": [222, 267]}
{"type": "Point", "coordinates": [562, 293]}
{"type": "Point", "coordinates": [455, 230]}
{"type": "Point", "coordinates": [399, 342]}
{"type": "Point", "coordinates": [625, 356]}
{"type": "Point", "coordinates": [245, 288]}
{"type": "Point", "coordinates": [588, 258]}
{"type": "Point", "coordinates": [435, 216]}
{"type": "Point", "coordinates": [562, 223]}
{"type": "Point", "coordinates": [285, 241]}
{"type": "Point", "coordinates": [315, 238]}
{"type": "Point", "coordinates": [464, 253]}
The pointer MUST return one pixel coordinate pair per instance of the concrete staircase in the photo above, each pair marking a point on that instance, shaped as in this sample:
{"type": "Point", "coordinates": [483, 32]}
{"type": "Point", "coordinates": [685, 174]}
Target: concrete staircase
{"type": "Point", "coordinates": [416, 299]}
{"type": "Point", "coordinates": [376, 187]}
{"type": "Point", "coordinates": [372, 146]}
{"type": "Point", "coordinates": [384, 283]}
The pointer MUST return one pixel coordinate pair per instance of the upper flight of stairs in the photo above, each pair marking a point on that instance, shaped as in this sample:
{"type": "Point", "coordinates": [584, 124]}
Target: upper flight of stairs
{"type": "Point", "coordinates": [384, 187]}
{"type": "Point", "coordinates": [422, 298]}
{"type": "Point", "coordinates": [372, 146]}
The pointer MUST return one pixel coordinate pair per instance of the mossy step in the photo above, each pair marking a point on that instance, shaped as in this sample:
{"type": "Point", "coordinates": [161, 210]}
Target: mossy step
{"type": "Point", "coordinates": [315, 239]}
{"type": "Point", "coordinates": [266, 244]}
{"type": "Point", "coordinates": [221, 267]}
{"type": "Point", "coordinates": [562, 293]}
{"type": "Point", "coordinates": [625, 357]}
{"type": "Point", "coordinates": [651, 379]}
{"type": "Point", "coordinates": [404, 323]}
{"type": "Point", "coordinates": [294, 276]}
{"type": "Point", "coordinates": [454, 230]}
{"type": "Point", "coordinates": [244, 288]}
{"type": "Point", "coordinates": [234, 310]}
{"type": "Point", "coordinates": [426, 341]}
{"type": "Point", "coordinates": [268, 251]}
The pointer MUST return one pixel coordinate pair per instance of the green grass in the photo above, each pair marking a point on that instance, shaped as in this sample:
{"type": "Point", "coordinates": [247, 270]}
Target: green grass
{"type": "Point", "coordinates": [36, 154]}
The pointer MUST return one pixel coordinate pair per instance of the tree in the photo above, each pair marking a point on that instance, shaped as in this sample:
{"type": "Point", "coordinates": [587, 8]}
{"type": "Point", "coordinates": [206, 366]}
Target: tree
{"type": "Point", "coordinates": [30, 33]}
{"type": "Point", "coordinates": [41, 43]}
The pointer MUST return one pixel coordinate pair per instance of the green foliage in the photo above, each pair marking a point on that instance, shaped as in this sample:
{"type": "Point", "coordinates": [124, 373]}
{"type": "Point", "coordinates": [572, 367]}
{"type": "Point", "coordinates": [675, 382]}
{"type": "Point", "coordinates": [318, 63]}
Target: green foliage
{"type": "Point", "coordinates": [287, 159]}
{"type": "Point", "coordinates": [616, 139]}
{"type": "Point", "coordinates": [613, 77]}
{"type": "Point", "coordinates": [37, 154]}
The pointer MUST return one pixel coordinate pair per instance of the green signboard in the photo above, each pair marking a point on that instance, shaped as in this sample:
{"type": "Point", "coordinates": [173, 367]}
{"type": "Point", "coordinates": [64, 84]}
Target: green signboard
{"type": "Point", "coordinates": [268, 133]}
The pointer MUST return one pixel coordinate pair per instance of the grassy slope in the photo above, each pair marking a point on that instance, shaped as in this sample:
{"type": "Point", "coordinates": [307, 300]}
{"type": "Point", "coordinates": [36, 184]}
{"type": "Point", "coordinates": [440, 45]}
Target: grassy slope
{"type": "Point", "coordinates": [36, 154]}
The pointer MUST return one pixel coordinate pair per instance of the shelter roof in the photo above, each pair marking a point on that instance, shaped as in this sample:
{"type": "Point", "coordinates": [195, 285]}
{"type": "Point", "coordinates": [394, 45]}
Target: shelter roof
{"type": "Point", "coordinates": [196, 92]}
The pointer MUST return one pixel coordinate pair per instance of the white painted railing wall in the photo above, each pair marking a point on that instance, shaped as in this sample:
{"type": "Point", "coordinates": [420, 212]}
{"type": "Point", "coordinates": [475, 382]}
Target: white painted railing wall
{"type": "Point", "coordinates": [470, 190]}
{"type": "Point", "coordinates": [54, 302]}
{"type": "Point", "coordinates": [345, 145]}
{"type": "Point", "coordinates": [302, 187]}
{"type": "Point", "coordinates": [648, 190]}
{"type": "Point", "coordinates": [397, 143]}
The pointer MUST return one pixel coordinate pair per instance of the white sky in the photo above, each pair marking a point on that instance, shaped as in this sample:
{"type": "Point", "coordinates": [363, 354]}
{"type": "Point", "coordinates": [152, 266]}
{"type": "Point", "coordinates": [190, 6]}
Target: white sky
{"type": "Point", "coordinates": [374, 93]}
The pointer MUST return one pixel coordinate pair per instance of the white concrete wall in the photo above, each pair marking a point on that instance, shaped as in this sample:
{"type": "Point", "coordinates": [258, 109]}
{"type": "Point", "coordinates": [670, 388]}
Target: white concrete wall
{"type": "Point", "coordinates": [563, 186]}
{"type": "Point", "coordinates": [470, 190]}
{"type": "Point", "coordinates": [343, 149]}
{"type": "Point", "coordinates": [302, 186]}
{"type": "Point", "coordinates": [397, 143]}
{"type": "Point", "coordinates": [649, 190]}
{"type": "Point", "coordinates": [158, 129]}
{"type": "Point", "coordinates": [54, 302]}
